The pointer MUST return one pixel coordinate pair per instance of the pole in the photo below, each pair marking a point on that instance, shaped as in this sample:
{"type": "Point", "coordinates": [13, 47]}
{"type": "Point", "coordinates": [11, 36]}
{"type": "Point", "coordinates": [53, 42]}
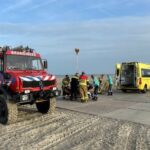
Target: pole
{"type": "Point", "coordinates": [77, 59]}
{"type": "Point", "coordinates": [77, 64]}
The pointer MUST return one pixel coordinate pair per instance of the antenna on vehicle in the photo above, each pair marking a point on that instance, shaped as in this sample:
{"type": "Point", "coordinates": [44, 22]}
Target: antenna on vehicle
{"type": "Point", "coordinates": [5, 48]}
{"type": "Point", "coordinates": [23, 49]}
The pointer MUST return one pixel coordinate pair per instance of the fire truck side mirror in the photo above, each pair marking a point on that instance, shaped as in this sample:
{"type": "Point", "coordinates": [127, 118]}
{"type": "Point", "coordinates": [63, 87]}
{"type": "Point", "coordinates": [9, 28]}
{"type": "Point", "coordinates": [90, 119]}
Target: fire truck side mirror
{"type": "Point", "coordinates": [45, 64]}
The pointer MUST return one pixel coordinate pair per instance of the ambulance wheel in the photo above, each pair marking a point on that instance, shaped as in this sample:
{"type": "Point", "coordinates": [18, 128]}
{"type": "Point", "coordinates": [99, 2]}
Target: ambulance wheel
{"type": "Point", "coordinates": [145, 89]}
{"type": "Point", "coordinates": [8, 111]}
{"type": "Point", "coordinates": [124, 91]}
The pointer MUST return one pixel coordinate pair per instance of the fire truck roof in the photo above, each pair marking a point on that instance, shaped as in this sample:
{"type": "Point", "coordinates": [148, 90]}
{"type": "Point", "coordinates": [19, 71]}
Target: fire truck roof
{"type": "Point", "coordinates": [22, 51]}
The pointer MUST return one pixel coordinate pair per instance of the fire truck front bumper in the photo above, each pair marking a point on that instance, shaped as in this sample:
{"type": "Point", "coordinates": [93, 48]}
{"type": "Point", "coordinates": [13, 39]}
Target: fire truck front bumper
{"type": "Point", "coordinates": [55, 92]}
{"type": "Point", "coordinates": [30, 98]}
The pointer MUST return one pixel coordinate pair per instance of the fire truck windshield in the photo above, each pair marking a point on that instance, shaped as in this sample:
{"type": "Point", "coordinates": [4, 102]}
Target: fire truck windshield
{"type": "Point", "coordinates": [18, 62]}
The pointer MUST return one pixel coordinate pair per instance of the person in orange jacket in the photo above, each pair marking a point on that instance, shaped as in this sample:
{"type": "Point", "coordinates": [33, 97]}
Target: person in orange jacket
{"type": "Point", "coordinates": [83, 81]}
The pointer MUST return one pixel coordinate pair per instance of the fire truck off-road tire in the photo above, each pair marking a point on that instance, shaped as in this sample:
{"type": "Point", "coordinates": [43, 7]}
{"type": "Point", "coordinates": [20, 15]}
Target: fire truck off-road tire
{"type": "Point", "coordinates": [43, 107]}
{"type": "Point", "coordinates": [47, 106]}
{"type": "Point", "coordinates": [52, 105]}
{"type": "Point", "coordinates": [8, 111]}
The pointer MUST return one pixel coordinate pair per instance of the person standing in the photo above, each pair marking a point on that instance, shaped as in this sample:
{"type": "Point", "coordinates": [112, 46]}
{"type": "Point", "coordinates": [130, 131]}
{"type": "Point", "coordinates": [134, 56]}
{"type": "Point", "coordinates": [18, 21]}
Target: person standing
{"type": "Point", "coordinates": [74, 86]}
{"type": "Point", "coordinates": [83, 79]}
{"type": "Point", "coordinates": [96, 87]}
{"type": "Point", "coordinates": [110, 82]}
{"type": "Point", "coordinates": [101, 84]}
{"type": "Point", "coordinates": [66, 86]}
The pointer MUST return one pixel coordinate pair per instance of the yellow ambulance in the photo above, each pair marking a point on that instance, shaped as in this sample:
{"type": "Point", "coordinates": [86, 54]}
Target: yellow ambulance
{"type": "Point", "coordinates": [135, 76]}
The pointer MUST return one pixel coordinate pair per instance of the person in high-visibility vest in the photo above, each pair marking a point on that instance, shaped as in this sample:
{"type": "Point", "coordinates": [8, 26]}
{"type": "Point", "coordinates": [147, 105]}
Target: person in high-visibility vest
{"type": "Point", "coordinates": [83, 80]}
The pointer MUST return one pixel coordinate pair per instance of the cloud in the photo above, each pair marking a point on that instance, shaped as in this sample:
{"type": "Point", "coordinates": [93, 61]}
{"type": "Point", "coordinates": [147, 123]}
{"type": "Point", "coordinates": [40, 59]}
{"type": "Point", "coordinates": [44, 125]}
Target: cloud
{"type": "Point", "coordinates": [118, 33]}
{"type": "Point", "coordinates": [50, 11]}
{"type": "Point", "coordinates": [17, 5]}
{"type": "Point", "coordinates": [105, 41]}
{"type": "Point", "coordinates": [41, 4]}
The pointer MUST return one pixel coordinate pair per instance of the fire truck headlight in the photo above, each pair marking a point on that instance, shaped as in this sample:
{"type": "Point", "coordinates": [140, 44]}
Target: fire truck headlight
{"type": "Point", "coordinates": [54, 88]}
{"type": "Point", "coordinates": [25, 97]}
{"type": "Point", "coordinates": [27, 91]}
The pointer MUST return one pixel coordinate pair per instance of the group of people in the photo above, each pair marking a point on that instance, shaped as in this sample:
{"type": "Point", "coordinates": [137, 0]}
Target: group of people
{"type": "Point", "coordinates": [78, 86]}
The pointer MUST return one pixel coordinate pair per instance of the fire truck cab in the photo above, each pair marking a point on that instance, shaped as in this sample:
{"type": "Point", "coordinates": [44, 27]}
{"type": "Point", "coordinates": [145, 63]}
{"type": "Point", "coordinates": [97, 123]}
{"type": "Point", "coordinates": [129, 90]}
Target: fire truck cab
{"type": "Point", "coordinates": [24, 80]}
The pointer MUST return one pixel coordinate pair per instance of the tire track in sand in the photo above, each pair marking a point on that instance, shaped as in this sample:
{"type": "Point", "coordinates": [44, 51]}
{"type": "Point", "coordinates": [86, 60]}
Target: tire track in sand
{"type": "Point", "coordinates": [72, 130]}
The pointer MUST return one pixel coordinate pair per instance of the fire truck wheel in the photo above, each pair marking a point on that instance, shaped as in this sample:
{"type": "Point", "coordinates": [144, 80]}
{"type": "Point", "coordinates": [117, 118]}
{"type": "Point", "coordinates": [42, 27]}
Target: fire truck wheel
{"type": "Point", "coordinates": [43, 107]}
{"type": "Point", "coordinates": [52, 105]}
{"type": "Point", "coordinates": [8, 111]}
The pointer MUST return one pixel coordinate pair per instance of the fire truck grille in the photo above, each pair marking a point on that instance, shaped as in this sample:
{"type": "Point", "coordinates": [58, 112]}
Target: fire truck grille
{"type": "Point", "coordinates": [34, 84]}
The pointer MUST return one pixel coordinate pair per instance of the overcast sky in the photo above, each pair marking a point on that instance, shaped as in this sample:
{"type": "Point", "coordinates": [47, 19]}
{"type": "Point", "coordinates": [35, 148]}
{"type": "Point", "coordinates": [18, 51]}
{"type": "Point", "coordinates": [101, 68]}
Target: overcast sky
{"type": "Point", "coordinates": [106, 31]}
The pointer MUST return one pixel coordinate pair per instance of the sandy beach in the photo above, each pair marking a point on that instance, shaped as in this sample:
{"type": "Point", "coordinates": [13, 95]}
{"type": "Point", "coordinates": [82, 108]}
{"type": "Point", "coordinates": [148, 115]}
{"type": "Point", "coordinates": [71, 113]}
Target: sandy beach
{"type": "Point", "coordinates": [72, 129]}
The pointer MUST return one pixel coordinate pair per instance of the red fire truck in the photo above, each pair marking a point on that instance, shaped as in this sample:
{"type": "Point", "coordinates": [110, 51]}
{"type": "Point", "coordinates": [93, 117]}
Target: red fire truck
{"type": "Point", "coordinates": [24, 80]}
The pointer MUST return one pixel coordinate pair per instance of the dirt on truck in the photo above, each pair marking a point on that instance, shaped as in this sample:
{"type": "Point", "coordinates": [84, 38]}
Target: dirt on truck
{"type": "Point", "coordinates": [24, 80]}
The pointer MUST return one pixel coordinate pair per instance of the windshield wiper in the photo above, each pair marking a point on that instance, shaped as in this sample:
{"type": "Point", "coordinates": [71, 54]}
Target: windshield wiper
{"type": "Point", "coordinates": [29, 68]}
{"type": "Point", "coordinates": [13, 68]}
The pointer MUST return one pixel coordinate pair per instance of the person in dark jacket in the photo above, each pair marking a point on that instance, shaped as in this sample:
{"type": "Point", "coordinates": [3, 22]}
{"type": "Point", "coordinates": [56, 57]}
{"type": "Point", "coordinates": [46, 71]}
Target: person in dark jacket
{"type": "Point", "coordinates": [74, 86]}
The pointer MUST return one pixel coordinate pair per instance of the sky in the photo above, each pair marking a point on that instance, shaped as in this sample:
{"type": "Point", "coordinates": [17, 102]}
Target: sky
{"type": "Point", "coordinates": [106, 32]}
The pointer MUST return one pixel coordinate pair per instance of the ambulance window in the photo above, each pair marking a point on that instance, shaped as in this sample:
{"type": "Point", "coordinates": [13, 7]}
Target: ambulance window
{"type": "Point", "coordinates": [145, 72]}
